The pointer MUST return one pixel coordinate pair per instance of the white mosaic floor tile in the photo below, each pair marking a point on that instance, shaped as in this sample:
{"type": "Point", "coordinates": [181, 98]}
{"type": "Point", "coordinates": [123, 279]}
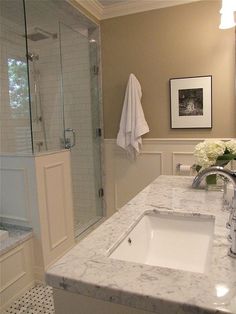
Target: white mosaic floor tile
{"type": "Point", "coordinates": [37, 300]}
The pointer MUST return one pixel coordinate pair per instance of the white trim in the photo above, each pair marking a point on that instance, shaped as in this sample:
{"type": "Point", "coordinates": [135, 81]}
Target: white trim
{"type": "Point", "coordinates": [14, 155]}
{"type": "Point", "coordinates": [102, 12]}
{"type": "Point", "coordinates": [92, 6]}
{"type": "Point", "coordinates": [188, 139]}
{"type": "Point", "coordinates": [172, 140]}
{"type": "Point", "coordinates": [139, 6]}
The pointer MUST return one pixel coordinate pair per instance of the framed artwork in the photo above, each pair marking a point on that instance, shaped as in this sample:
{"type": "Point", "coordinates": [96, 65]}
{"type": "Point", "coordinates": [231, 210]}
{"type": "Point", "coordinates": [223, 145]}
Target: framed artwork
{"type": "Point", "coordinates": [191, 102]}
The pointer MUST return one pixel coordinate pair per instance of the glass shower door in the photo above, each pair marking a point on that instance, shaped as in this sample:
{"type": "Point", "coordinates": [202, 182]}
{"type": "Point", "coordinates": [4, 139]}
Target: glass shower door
{"type": "Point", "coordinates": [81, 125]}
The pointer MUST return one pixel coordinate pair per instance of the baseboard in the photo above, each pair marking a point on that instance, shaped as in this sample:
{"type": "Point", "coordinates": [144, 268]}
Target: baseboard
{"type": "Point", "coordinates": [17, 295]}
{"type": "Point", "coordinates": [39, 274]}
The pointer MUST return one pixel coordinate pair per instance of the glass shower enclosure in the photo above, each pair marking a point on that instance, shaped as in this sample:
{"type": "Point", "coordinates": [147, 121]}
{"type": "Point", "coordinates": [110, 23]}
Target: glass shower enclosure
{"type": "Point", "coordinates": [50, 93]}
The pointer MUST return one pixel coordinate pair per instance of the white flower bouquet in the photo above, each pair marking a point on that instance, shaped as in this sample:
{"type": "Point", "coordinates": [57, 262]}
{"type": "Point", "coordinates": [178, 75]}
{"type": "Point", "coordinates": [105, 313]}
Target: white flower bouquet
{"type": "Point", "coordinates": [214, 153]}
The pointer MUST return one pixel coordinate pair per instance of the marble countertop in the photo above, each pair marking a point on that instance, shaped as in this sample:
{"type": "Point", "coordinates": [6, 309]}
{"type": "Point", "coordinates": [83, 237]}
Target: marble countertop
{"type": "Point", "coordinates": [88, 270]}
{"type": "Point", "coordinates": [17, 235]}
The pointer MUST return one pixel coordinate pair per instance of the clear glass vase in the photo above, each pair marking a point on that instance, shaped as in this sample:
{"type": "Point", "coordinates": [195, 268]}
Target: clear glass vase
{"type": "Point", "coordinates": [214, 182]}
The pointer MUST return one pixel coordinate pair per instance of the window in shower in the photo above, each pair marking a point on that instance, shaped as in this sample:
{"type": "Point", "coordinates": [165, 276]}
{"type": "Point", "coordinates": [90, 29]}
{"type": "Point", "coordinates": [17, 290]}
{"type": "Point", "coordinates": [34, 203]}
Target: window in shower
{"type": "Point", "coordinates": [15, 124]}
{"type": "Point", "coordinates": [18, 87]}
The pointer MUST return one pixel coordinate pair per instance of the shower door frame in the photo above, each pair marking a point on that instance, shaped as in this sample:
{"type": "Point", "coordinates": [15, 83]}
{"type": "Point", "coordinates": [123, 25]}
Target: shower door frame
{"type": "Point", "coordinates": [80, 232]}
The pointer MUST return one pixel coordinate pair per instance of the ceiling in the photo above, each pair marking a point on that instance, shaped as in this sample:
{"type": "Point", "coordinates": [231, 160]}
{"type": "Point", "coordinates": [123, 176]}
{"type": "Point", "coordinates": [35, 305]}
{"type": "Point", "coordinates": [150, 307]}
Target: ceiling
{"type": "Point", "coordinates": [104, 9]}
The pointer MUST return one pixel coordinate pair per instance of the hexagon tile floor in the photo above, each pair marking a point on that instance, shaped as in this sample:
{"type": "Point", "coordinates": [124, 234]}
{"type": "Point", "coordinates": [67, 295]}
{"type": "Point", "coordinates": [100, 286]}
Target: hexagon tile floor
{"type": "Point", "coordinates": [37, 300]}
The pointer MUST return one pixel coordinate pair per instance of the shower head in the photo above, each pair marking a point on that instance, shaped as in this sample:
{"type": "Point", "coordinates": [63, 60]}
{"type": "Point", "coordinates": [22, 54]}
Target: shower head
{"type": "Point", "coordinates": [37, 36]}
{"type": "Point", "coordinates": [40, 34]}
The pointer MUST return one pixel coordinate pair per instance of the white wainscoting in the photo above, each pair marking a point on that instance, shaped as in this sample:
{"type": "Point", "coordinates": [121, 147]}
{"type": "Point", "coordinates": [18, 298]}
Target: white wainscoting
{"type": "Point", "coordinates": [53, 173]}
{"type": "Point", "coordinates": [16, 273]}
{"type": "Point", "coordinates": [124, 177]}
{"type": "Point", "coordinates": [17, 189]}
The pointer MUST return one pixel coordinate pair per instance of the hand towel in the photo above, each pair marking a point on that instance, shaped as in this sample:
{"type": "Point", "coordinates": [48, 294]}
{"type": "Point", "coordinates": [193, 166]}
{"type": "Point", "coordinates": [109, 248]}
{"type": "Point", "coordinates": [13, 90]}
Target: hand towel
{"type": "Point", "coordinates": [132, 124]}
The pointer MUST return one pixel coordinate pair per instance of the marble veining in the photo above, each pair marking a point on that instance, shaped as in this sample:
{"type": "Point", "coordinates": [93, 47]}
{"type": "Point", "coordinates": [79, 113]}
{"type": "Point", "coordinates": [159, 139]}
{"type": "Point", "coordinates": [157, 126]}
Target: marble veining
{"type": "Point", "coordinates": [17, 235]}
{"type": "Point", "coordinates": [88, 270]}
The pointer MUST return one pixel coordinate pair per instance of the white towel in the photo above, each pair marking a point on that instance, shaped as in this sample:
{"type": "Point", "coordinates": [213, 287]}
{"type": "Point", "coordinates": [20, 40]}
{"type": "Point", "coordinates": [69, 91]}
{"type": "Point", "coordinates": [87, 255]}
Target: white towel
{"type": "Point", "coordinates": [132, 124]}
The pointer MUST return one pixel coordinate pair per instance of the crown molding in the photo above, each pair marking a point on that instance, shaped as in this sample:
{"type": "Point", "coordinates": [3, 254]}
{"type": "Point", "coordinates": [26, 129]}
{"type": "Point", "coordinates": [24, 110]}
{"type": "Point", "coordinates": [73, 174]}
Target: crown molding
{"type": "Point", "coordinates": [138, 6]}
{"type": "Point", "coordinates": [92, 6]}
{"type": "Point", "coordinates": [125, 8]}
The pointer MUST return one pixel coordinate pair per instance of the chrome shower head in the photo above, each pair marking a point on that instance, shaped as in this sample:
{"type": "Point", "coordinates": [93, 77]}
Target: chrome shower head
{"type": "Point", "coordinates": [37, 36]}
{"type": "Point", "coordinates": [40, 34]}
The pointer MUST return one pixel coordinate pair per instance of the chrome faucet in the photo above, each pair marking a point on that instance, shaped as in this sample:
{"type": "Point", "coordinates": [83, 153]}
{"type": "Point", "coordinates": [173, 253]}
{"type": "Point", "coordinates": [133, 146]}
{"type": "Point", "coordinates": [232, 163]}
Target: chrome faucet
{"type": "Point", "coordinates": [231, 176]}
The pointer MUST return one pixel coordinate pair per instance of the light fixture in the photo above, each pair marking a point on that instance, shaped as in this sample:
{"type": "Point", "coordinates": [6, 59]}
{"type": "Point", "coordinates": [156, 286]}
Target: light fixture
{"type": "Point", "coordinates": [227, 20]}
{"type": "Point", "coordinates": [227, 14]}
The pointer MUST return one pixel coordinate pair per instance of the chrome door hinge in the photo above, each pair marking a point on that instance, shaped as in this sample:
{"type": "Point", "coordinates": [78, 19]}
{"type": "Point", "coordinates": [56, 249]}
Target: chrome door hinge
{"type": "Point", "coordinates": [95, 69]}
{"type": "Point", "coordinates": [101, 192]}
{"type": "Point", "coordinates": [98, 132]}
{"type": "Point", "coordinates": [68, 142]}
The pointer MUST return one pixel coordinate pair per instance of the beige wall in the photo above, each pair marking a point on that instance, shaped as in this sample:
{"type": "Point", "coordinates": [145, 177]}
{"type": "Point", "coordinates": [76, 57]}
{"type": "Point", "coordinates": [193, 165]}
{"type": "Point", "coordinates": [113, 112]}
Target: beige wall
{"type": "Point", "coordinates": [161, 44]}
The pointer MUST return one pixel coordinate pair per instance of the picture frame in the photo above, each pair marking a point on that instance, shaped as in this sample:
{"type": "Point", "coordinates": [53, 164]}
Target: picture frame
{"type": "Point", "coordinates": [191, 102]}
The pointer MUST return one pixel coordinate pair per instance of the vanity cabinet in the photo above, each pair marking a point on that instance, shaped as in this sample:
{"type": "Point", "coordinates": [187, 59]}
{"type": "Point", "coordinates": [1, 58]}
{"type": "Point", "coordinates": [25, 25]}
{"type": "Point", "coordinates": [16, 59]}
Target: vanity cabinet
{"type": "Point", "coordinates": [68, 302]}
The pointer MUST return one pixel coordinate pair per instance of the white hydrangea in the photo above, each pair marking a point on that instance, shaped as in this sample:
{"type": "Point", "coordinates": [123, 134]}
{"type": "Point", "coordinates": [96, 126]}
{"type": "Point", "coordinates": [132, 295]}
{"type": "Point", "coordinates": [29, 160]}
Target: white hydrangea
{"type": "Point", "coordinates": [208, 151]}
{"type": "Point", "coordinates": [200, 154]}
{"type": "Point", "coordinates": [231, 146]}
{"type": "Point", "coordinates": [214, 149]}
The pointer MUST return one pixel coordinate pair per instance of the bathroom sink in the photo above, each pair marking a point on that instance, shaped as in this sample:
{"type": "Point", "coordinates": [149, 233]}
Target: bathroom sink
{"type": "Point", "coordinates": [166, 239]}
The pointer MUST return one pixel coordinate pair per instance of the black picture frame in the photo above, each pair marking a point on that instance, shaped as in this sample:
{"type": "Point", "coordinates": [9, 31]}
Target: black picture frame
{"type": "Point", "coordinates": [191, 102]}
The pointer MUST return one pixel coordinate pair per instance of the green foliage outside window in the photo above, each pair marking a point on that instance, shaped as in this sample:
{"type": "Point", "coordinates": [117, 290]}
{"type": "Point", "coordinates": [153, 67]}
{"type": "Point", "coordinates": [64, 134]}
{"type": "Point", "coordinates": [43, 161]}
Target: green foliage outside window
{"type": "Point", "coordinates": [18, 87]}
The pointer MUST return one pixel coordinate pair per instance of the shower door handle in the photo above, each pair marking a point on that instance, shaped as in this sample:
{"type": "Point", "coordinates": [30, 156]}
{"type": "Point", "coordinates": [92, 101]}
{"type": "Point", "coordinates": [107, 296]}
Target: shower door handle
{"type": "Point", "coordinates": [68, 143]}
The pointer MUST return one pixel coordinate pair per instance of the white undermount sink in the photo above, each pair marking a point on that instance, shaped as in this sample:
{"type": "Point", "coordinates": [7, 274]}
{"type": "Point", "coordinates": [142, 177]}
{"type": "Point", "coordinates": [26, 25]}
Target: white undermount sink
{"type": "Point", "coordinates": [167, 239]}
